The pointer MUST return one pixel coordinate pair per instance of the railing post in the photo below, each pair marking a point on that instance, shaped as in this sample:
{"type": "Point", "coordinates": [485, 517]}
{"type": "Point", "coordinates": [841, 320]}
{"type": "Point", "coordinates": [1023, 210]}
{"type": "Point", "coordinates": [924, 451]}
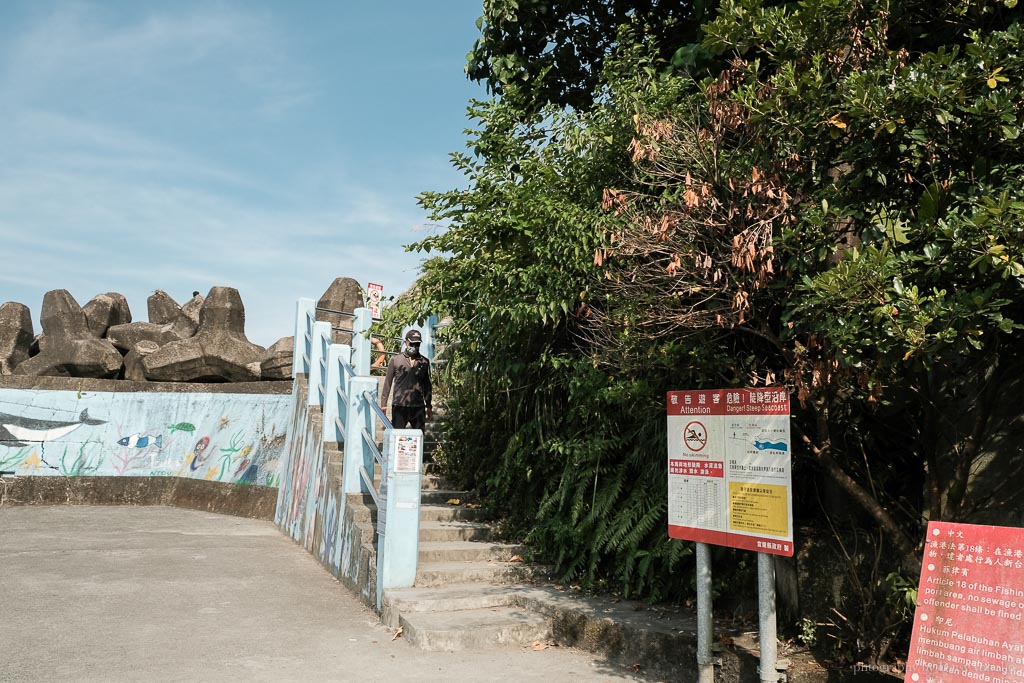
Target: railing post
{"type": "Point", "coordinates": [332, 401]}
{"type": "Point", "coordinates": [345, 360]}
{"type": "Point", "coordinates": [304, 310]}
{"type": "Point", "coordinates": [398, 522]}
{"type": "Point", "coordinates": [316, 357]}
{"type": "Point", "coordinates": [361, 322]}
{"type": "Point", "coordinates": [429, 348]}
{"type": "Point", "coordinates": [360, 417]}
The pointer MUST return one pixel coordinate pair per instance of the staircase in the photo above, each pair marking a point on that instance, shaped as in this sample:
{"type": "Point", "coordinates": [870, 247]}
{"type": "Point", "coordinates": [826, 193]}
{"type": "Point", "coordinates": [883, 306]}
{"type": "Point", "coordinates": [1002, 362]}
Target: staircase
{"type": "Point", "coordinates": [465, 595]}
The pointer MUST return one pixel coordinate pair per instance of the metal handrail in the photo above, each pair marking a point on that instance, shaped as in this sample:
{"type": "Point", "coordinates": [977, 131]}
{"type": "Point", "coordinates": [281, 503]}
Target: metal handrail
{"type": "Point", "coordinates": [377, 409]}
{"type": "Point", "coordinates": [368, 480]}
{"type": "Point", "coordinates": [347, 314]}
{"type": "Point", "coordinates": [372, 443]}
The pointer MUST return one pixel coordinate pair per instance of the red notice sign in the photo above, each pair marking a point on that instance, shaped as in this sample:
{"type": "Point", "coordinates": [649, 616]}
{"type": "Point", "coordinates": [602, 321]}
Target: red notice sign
{"type": "Point", "coordinates": [375, 294]}
{"type": "Point", "coordinates": [970, 604]}
{"type": "Point", "coordinates": [729, 475]}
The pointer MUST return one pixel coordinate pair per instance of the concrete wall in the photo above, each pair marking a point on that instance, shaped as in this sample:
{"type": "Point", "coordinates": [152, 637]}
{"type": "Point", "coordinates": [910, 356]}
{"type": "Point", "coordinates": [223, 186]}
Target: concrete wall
{"type": "Point", "coordinates": [220, 433]}
{"type": "Point", "coordinates": [312, 508]}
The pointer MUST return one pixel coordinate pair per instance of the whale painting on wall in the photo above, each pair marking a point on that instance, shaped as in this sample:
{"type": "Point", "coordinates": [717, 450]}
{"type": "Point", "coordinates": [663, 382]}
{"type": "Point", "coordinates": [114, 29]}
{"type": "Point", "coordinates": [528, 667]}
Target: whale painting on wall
{"type": "Point", "coordinates": [237, 438]}
{"type": "Point", "coordinates": [18, 430]}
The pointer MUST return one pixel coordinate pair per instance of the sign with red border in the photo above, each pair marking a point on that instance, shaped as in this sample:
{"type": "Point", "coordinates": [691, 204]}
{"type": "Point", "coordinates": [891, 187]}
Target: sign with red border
{"type": "Point", "coordinates": [375, 293]}
{"type": "Point", "coordinates": [969, 621]}
{"type": "Point", "coordinates": [729, 474]}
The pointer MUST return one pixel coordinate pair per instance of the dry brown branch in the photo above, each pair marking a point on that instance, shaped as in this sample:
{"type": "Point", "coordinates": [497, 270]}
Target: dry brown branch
{"type": "Point", "coordinates": [697, 242]}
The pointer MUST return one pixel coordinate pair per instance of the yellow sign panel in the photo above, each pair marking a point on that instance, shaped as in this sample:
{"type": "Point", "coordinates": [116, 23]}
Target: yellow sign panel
{"type": "Point", "coordinates": [758, 508]}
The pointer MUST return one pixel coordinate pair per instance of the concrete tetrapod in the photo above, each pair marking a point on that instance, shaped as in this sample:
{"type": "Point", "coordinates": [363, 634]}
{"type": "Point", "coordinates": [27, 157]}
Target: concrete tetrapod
{"type": "Point", "coordinates": [277, 362]}
{"type": "Point", "coordinates": [15, 335]}
{"type": "Point", "coordinates": [106, 310]}
{"type": "Point", "coordinates": [164, 310]}
{"type": "Point", "coordinates": [168, 323]}
{"type": "Point", "coordinates": [218, 351]}
{"type": "Point", "coordinates": [344, 295]}
{"type": "Point", "coordinates": [127, 337]}
{"type": "Point", "coordinates": [192, 307]}
{"type": "Point", "coordinates": [133, 370]}
{"type": "Point", "coordinates": [71, 349]}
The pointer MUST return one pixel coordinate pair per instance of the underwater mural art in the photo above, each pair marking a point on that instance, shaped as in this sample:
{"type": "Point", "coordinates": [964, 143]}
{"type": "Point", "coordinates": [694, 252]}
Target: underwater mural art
{"type": "Point", "coordinates": [236, 438]}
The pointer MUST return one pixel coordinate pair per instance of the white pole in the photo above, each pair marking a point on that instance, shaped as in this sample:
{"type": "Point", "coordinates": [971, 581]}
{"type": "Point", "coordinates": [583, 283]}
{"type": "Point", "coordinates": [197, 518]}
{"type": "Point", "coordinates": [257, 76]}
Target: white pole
{"type": "Point", "coordinates": [705, 625]}
{"type": "Point", "coordinates": [766, 610]}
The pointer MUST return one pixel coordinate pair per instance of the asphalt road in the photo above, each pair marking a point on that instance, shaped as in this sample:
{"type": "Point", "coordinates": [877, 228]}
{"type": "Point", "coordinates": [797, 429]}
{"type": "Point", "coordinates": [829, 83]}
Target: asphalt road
{"type": "Point", "coordinates": [163, 594]}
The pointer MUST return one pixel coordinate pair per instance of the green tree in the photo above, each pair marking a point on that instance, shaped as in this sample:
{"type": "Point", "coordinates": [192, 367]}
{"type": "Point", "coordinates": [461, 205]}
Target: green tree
{"type": "Point", "coordinates": [846, 214]}
{"type": "Point", "coordinates": [553, 51]}
{"type": "Point", "coordinates": [828, 199]}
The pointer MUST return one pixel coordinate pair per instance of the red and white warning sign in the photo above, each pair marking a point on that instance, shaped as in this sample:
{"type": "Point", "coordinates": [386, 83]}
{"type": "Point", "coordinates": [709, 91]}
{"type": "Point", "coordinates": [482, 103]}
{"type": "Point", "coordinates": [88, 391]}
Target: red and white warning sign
{"type": "Point", "coordinates": [375, 293]}
{"type": "Point", "coordinates": [969, 622]}
{"type": "Point", "coordinates": [729, 474]}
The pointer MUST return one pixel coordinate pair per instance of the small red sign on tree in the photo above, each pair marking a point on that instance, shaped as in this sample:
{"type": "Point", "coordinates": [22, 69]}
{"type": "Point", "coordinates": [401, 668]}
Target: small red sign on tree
{"type": "Point", "coordinates": [970, 605]}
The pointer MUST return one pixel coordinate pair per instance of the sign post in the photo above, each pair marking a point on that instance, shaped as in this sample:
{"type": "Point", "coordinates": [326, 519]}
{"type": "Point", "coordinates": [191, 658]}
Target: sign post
{"type": "Point", "coordinates": [969, 621]}
{"type": "Point", "coordinates": [705, 623]}
{"type": "Point", "coordinates": [730, 483]}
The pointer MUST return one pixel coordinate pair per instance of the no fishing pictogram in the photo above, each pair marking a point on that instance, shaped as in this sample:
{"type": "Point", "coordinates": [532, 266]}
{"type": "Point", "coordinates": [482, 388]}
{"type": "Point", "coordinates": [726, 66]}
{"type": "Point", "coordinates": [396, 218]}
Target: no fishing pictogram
{"type": "Point", "coordinates": [695, 436]}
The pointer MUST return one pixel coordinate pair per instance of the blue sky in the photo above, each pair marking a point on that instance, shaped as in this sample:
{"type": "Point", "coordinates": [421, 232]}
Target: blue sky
{"type": "Point", "coordinates": [267, 146]}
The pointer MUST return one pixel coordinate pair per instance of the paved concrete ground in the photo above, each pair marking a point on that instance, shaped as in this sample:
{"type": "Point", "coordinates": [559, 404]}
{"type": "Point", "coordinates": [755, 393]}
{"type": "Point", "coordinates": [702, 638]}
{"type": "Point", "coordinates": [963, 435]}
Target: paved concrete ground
{"type": "Point", "coordinates": [164, 594]}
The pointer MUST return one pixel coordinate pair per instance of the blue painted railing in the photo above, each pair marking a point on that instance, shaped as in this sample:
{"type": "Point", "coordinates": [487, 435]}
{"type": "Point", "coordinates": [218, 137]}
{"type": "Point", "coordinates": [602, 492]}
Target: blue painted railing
{"type": "Point", "coordinates": [341, 385]}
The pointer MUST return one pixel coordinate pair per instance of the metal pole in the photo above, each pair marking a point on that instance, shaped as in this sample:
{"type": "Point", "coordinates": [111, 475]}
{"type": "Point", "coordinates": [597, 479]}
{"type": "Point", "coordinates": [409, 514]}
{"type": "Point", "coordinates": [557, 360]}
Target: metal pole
{"type": "Point", "coordinates": [705, 625]}
{"type": "Point", "coordinates": [766, 610]}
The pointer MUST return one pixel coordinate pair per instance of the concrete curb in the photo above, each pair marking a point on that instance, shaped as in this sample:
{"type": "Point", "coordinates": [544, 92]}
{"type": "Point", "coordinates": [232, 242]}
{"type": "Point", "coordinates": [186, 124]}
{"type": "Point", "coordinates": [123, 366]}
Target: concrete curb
{"type": "Point", "coordinates": [238, 500]}
{"type": "Point", "coordinates": [661, 643]}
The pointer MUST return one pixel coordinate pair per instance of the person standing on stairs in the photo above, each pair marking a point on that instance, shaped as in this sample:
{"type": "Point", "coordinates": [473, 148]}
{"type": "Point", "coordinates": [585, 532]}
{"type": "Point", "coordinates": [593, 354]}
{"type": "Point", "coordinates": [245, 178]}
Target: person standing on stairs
{"type": "Point", "coordinates": [409, 372]}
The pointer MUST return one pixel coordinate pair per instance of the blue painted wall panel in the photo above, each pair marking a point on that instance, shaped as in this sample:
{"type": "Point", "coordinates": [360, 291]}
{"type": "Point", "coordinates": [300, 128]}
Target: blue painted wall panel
{"type": "Point", "coordinates": [237, 438]}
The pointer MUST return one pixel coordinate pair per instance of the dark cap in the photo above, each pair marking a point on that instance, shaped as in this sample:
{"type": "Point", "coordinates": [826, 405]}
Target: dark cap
{"type": "Point", "coordinates": [413, 337]}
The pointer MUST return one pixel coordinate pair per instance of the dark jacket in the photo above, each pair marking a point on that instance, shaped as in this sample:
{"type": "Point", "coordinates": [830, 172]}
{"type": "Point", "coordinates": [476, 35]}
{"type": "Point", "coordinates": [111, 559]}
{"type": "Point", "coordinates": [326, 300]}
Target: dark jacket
{"type": "Point", "coordinates": [411, 378]}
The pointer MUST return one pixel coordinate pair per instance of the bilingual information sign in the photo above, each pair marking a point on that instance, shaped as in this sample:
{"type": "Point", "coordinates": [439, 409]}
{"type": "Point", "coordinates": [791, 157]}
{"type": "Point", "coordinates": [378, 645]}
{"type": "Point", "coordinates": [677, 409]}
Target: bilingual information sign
{"type": "Point", "coordinates": [969, 621]}
{"type": "Point", "coordinates": [729, 468]}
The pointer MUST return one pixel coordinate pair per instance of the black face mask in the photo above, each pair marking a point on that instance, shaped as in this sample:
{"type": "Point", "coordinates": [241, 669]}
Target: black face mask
{"type": "Point", "coordinates": [412, 349]}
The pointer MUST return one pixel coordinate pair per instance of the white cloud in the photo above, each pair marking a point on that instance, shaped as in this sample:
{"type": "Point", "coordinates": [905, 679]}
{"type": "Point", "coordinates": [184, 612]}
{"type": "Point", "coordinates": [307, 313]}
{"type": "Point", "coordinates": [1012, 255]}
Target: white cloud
{"type": "Point", "coordinates": [100, 194]}
{"type": "Point", "coordinates": [80, 44]}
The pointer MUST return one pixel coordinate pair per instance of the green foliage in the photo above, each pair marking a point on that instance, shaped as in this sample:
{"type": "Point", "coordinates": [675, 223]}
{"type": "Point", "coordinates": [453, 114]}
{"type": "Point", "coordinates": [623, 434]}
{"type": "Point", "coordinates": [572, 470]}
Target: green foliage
{"type": "Point", "coordinates": [408, 308]}
{"type": "Point", "coordinates": [823, 194]}
{"type": "Point", "coordinates": [540, 52]}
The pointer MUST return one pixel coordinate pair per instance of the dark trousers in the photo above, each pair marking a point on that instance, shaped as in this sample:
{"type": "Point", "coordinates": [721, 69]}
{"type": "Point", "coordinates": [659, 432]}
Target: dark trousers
{"type": "Point", "coordinates": [408, 417]}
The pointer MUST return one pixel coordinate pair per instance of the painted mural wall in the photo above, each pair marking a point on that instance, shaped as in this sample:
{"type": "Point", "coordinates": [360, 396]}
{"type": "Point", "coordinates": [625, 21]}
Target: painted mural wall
{"type": "Point", "coordinates": [313, 510]}
{"type": "Point", "coordinates": [237, 438]}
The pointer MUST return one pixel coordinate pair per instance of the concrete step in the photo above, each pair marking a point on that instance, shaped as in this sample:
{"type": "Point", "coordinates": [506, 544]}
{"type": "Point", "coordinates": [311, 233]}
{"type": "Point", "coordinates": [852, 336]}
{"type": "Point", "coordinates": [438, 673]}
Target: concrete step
{"type": "Point", "coordinates": [448, 513]}
{"type": "Point", "coordinates": [433, 574]}
{"type": "Point", "coordinates": [442, 496]}
{"type": "Point", "coordinates": [433, 482]}
{"type": "Point", "coordinates": [450, 598]}
{"type": "Point", "coordinates": [436, 532]}
{"type": "Point", "coordinates": [467, 551]}
{"type": "Point", "coordinates": [474, 628]}
{"type": "Point", "coordinates": [365, 512]}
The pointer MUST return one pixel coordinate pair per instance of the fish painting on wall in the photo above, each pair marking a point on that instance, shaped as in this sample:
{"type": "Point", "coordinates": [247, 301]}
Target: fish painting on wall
{"type": "Point", "coordinates": [140, 441]}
